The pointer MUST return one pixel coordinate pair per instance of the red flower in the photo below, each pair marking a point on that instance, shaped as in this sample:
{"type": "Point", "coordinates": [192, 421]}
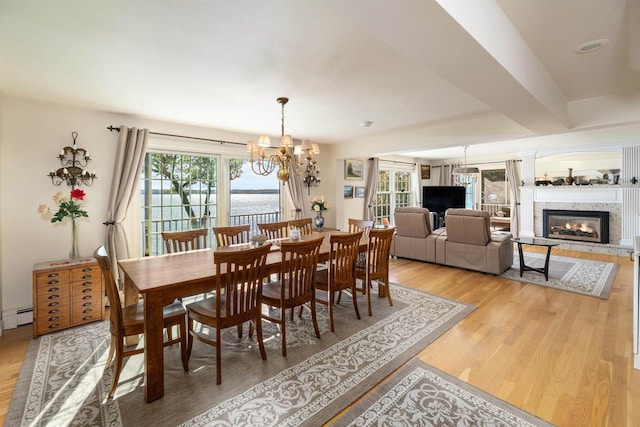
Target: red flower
{"type": "Point", "coordinates": [77, 194]}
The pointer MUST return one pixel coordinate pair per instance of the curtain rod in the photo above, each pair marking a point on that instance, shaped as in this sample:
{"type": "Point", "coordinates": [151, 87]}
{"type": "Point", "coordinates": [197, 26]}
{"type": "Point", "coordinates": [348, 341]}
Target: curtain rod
{"type": "Point", "coordinates": [481, 163]}
{"type": "Point", "coordinates": [219, 141]}
{"type": "Point", "coordinates": [394, 161]}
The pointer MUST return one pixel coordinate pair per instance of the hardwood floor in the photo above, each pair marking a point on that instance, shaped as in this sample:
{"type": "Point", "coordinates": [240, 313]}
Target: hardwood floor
{"type": "Point", "coordinates": [564, 357]}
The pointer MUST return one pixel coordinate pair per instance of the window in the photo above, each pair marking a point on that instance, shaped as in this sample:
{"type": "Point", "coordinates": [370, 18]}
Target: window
{"type": "Point", "coordinates": [494, 191]}
{"type": "Point", "coordinates": [394, 191]}
{"type": "Point", "coordinates": [179, 192]}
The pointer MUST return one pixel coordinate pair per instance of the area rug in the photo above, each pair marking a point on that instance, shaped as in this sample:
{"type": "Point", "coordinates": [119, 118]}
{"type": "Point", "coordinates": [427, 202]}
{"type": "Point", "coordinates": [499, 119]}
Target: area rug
{"type": "Point", "coordinates": [62, 380]}
{"type": "Point", "coordinates": [420, 395]}
{"type": "Point", "coordinates": [593, 278]}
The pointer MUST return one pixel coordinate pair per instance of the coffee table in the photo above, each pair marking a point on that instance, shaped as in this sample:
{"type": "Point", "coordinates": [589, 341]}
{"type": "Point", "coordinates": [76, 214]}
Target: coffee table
{"type": "Point", "coordinates": [534, 241]}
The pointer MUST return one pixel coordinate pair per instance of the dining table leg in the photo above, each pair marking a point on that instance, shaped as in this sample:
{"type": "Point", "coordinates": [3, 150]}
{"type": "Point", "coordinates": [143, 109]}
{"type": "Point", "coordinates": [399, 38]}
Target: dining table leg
{"type": "Point", "coordinates": [153, 349]}
{"type": "Point", "coordinates": [130, 298]}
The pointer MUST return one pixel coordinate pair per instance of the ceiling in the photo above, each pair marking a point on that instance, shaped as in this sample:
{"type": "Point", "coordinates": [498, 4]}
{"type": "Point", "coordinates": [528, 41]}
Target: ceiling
{"type": "Point", "coordinates": [408, 66]}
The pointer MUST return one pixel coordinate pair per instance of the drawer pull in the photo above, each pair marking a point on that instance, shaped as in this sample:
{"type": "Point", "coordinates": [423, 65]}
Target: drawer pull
{"type": "Point", "coordinates": [87, 269]}
{"type": "Point", "coordinates": [53, 274]}
{"type": "Point", "coordinates": [84, 291]}
{"type": "Point", "coordinates": [87, 276]}
{"type": "Point", "coordinates": [54, 311]}
{"type": "Point", "coordinates": [53, 289]}
{"type": "Point", "coordinates": [87, 283]}
{"type": "Point", "coordinates": [88, 310]}
{"type": "Point", "coordinates": [87, 317]}
{"type": "Point", "coordinates": [54, 296]}
{"type": "Point", "coordinates": [53, 325]}
{"type": "Point", "coordinates": [87, 297]}
{"type": "Point", "coordinates": [53, 282]}
{"type": "Point", "coordinates": [53, 304]}
{"type": "Point", "coordinates": [53, 319]}
{"type": "Point", "coordinates": [87, 304]}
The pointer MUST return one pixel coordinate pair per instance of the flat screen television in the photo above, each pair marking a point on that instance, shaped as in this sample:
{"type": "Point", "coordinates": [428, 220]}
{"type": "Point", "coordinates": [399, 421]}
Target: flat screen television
{"type": "Point", "coordinates": [439, 199]}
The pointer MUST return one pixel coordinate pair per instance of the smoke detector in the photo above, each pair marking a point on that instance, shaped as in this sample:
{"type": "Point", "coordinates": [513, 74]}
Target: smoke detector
{"type": "Point", "coordinates": [366, 123]}
{"type": "Point", "coordinates": [590, 46]}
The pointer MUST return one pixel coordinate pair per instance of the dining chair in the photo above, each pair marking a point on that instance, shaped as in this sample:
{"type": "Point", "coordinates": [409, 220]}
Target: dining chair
{"type": "Point", "coordinates": [377, 264]}
{"type": "Point", "coordinates": [341, 274]}
{"type": "Point", "coordinates": [129, 321]}
{"type": "Point", "coordinates": [238, 295]}
{"type": "Point", "coordinates": [187, 240]}
{"type": "Point", "coordinates": [296, 285]}
{"type": "Point", "coordinates": [274, 230]}
{"type": "Point", "coordinates": [231, 235]}
{"type": "Point", "coordinates": [304, 225]}
{"type": "Point", "coordinates": [360, 224]}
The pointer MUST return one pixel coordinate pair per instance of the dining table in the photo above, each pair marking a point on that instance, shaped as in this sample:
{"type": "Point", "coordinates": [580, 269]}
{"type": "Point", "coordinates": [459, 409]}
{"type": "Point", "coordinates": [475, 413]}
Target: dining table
{"type": "Point", "coordinates": [161, 279]}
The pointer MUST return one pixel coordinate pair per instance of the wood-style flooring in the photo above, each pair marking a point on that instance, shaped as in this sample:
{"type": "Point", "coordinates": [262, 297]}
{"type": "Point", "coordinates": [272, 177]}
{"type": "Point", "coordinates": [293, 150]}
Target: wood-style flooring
{"type": "Point", "coordinates": [564, 357]}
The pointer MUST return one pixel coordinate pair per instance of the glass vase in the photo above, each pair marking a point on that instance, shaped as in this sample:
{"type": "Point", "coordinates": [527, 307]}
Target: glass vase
{"type": "Point", "coordinates": [319, 221]}
{"type": "Point", "coordinates": [73, 253]}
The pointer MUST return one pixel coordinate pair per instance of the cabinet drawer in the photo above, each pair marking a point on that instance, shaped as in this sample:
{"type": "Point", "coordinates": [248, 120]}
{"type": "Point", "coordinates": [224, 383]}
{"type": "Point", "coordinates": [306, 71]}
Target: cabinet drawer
{"type": "Point", "coordinates": [84, 300]}
{"type": "Point", "coordinates": [84, 273]}
{"type": "Point", "coordinates": [52, 323]}
{"type": "Point", "coordinates": [53, 294]}
{"type": "Point", "coordinates": [87, 314]}
{"type": "Point", "coordinates": [52, 278]}
{"type": "Point", "coordinates": [89, 283]}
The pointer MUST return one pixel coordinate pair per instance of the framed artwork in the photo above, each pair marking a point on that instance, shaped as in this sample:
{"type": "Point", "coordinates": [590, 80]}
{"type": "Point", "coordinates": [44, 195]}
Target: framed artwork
{"type": "Point", "coordinates": [353, 169]}
{"type": "Point", "coordinates": [348, 191]}
{"type": "Point", "coordinates": [360, 192]}
{"type": "Point", "coordinates": [425, 171]}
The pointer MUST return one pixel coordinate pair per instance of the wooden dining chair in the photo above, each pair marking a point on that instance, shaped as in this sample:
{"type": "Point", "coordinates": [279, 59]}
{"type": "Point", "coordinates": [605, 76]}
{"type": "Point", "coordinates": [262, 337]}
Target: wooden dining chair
{"type": "Point", "coordinates": [232, 235]}
{"type": "Point", "coordinates": [274, 230]}
{"type": "Point", "coordinates": [304, 225]}
{"type": "Point", "coordinates": [186, 240]}
{"type": "Point", "coordinates": [296, 285]}
{"type": "Point", "coordinates": [341, 274]}
{"type": "Point", "coordinates": [360, 224]}
{"type": "Point", "coordinates": [238, 289]}
{"type": "Point", "coordinates": [129, 321]}
{"type": "Point", "coordinates": [377, 264]}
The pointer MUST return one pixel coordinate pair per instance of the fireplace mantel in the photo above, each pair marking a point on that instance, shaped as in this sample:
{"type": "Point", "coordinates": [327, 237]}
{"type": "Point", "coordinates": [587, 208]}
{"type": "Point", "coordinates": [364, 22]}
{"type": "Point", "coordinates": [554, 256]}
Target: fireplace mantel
{"type": "Point", "coordinates": [578, 194]}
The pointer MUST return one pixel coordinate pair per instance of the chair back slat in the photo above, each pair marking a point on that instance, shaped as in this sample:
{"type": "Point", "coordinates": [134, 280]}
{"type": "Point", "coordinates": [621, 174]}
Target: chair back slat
{"type": "Point", "coordinates": [187, 240]}
{"type": "Point", "coordinates": [379, 248]}
{"type": "Point", "coordinates": [304, 225]}
{"type": "Point", "coordinates": [240, 278]}
{"type": "Point", "coordinates": [360, 224]}
{"type": "Point", "coordinates": [299, 261]}
{"type": "Point", "coordinates": [274, 230]}
{"type": "Point", "coordinates": [115, 306]}
{"type": "Point", "coordinates": [232, 235]}
{"type": "Point", "coordinates": [342, 259]}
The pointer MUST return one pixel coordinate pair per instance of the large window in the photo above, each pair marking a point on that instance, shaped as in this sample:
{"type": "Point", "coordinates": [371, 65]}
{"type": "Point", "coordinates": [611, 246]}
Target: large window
{"type": "Point", "coordinates": [494, 191]}
{"type": "Point", "coordinates": [179, 192]}
{"type": "Point", "coordinates": [394, 191]}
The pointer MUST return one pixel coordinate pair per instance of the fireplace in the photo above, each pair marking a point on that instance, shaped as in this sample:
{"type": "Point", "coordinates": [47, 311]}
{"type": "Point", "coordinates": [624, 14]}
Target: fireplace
{"type": "Point", "coordinates": [585, 226]}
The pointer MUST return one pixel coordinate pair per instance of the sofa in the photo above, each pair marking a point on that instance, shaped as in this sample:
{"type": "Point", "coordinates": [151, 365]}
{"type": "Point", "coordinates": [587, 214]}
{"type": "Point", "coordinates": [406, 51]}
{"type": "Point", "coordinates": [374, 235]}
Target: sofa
{"type": "Point", "coordinates": [466, 241]}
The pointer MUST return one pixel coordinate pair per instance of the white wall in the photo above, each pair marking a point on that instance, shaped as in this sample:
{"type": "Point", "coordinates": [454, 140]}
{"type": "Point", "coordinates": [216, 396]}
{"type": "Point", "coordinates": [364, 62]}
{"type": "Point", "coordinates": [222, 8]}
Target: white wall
{"type": "Point", "coordinates": [31, 135]}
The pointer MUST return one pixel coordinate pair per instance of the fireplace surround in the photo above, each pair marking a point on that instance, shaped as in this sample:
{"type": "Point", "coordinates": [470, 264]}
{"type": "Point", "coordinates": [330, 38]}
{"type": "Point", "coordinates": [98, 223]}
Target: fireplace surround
{"type": "Point", "coordinates": [577, 225]}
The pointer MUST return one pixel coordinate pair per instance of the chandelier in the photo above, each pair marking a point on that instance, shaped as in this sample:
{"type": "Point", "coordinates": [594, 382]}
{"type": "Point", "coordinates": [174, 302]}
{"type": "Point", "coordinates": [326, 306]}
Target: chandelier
{"type": "Point", "coordinates": [73, 160]}
{"type": "Point", "coordinates": [288, 159]}
{"type": "Point", "coordinates": [465, 175]}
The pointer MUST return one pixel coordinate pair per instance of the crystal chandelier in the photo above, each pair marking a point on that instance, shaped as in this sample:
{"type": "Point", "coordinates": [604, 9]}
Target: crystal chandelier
{"type": "Point", "coordinates": [288, 158]}
{"type": "Point", "coordinates": [465, 175]}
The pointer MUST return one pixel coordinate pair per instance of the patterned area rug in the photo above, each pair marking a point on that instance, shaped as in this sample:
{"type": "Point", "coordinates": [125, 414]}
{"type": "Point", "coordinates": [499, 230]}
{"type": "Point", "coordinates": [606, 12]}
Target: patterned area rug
{"type": "Point", "coordinates": [593, 278]}
{"type": "Point", "coordinates": [62, 380]}
{"type": "Point", "coordinates": [420, 395]}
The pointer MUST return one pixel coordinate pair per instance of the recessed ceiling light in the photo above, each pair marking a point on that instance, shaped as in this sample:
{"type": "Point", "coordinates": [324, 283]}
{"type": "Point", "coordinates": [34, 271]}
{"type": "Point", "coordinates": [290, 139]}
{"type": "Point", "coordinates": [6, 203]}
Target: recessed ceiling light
{"type": "Point", "coordinates": [590, 46]}
{"type": "Point", "coordinates": [366, 123]}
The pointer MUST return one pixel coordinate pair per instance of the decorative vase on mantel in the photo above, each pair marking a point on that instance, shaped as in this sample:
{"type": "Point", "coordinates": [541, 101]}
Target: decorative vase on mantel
{"type": "Point", "coordinates": [73, 253]}
{"type": "Point", "coordinates": [570, 179]}
{"type": "Point", "coordinates": [319, 221]}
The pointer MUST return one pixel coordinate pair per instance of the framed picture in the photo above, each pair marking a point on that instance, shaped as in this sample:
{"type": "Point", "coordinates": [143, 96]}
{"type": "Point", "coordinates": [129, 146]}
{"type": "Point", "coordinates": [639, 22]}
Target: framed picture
{"type": "Point", "coordinates": [425, 171]}
{"type": "Point", "coordinates": [348, 191]}
{"type": "Point", "coordinates": [360, 192]}
{"type": "Point", "coordinates": [353, 169]}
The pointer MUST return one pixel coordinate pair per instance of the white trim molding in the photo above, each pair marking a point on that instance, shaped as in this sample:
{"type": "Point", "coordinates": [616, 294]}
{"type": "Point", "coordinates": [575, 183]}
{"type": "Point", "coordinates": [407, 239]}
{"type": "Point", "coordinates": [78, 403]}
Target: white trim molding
{"type": "Point", "coordinates": [576, 194]}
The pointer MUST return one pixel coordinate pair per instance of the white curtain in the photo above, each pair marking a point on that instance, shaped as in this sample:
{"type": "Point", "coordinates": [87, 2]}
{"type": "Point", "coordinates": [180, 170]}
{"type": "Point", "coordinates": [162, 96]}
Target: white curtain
{"type": "Point", "coordinates": [296, 194]}
{"type": "Point", "coordinates": [132, 144]}
{"type": "Point", "coordinates": [372, 188]}
{"type": "Point", "coordinates": [415, 184]}
{"type": "Point", "coordinates": [512, 177]}
{"type": "Point", "coordinates": [446, 179]}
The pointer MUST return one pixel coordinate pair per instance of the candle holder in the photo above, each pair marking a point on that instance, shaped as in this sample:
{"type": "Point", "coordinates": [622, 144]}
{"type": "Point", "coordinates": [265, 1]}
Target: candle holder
{"type": "Point", "coordinates": [73, 160]}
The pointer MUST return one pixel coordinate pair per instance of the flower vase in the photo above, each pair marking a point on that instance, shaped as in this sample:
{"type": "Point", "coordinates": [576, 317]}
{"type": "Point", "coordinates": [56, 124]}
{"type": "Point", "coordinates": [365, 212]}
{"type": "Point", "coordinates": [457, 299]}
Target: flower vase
{"type": "Point", "coordinates": [319, 221]}
{"type": "Point", "coordinates": [73, 253]}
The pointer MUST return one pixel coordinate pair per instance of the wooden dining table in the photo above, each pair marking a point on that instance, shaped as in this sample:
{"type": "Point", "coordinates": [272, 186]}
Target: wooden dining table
{"type": "Point", "coordinates": [161, 279]}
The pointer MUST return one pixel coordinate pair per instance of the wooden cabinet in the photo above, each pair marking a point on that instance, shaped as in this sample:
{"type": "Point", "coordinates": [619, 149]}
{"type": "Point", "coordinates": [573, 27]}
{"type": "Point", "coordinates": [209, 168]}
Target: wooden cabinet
{"type": "Point", "coordinates": [65, 294]}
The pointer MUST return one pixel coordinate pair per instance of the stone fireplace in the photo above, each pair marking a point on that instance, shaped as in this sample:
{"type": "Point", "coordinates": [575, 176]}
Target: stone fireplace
{"type": "Point", "coordinates": [578, 225]}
